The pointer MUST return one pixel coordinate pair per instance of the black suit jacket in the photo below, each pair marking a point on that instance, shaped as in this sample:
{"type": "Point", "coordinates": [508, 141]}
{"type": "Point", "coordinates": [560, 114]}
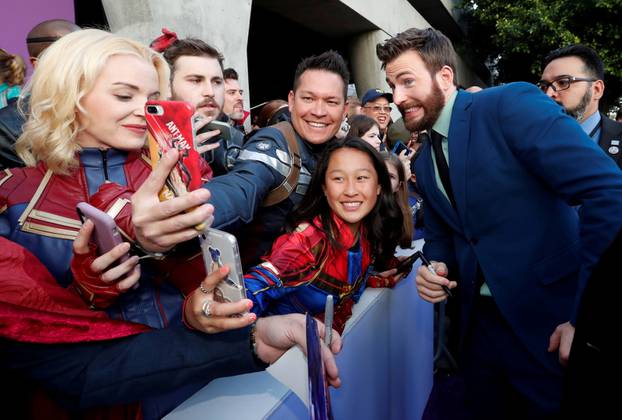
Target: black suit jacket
{"type": "Point", "coordinates": [611, 132]}
{"type": "Point", "coordinates": [594, 356]}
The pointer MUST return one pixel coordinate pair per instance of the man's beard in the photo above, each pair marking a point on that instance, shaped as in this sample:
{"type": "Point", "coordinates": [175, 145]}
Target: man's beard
{"type": "Point", "coordinates": [432, 106]}
{"type": "Point", "coordinates": [578, 112]}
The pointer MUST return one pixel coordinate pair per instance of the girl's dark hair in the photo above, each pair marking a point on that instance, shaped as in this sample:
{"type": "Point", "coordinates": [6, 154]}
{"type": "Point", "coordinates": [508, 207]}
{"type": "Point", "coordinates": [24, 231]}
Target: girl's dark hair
{"type": "Point", "coordinates": [361, 124]}
{"type": "Point", "coordinates": [383, 224]}
{"type": "Point", "coordinates": [401, 196]}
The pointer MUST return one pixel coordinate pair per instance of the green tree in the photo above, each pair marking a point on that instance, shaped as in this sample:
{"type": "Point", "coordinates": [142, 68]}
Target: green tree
{"type": "Point", "coordinates": [515, 36]}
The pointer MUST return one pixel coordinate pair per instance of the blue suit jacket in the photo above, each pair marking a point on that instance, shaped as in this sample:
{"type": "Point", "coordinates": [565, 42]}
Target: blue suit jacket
{"type": "Point", "coordinates": [517, 165]}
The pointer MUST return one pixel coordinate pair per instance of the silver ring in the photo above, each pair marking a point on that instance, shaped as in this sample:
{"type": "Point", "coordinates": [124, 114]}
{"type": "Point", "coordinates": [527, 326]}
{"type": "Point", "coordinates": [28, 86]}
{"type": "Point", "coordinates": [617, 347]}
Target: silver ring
{"type": "Point", "coordinates": [207, 308]}
{"type": "Point", "coordinates": [204, 290]}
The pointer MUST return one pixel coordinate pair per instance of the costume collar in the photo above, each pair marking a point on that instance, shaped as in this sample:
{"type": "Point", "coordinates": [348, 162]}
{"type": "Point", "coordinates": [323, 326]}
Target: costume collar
{"type": "Point", "coordinates": [91, 157]}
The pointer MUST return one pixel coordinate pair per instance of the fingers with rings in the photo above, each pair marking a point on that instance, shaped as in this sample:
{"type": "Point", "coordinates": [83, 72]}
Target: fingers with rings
{"type": "Point", "coordinates": [204, 289]}
{"type": "Point", "coordinates": [207, 308]}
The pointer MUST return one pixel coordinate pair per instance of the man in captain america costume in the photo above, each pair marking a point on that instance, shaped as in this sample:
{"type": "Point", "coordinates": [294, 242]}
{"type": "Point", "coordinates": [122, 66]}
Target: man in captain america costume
{"type": "Point", "coordinates": [244, 195]}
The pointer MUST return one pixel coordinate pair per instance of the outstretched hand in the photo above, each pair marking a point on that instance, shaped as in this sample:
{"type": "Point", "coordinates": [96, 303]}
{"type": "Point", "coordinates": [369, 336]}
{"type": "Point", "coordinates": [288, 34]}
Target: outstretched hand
{"type": "Point", "coordinates": [277, 334]}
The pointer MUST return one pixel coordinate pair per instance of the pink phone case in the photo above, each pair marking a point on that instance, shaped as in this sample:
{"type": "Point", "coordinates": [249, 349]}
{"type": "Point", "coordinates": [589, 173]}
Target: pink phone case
{"type": "Point", "coordinates": [106, 234]}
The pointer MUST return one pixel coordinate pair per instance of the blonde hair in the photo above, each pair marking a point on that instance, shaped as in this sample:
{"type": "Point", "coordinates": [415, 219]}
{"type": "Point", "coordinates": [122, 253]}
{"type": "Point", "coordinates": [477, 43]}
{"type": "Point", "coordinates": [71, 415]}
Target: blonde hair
{"type": "Point", "coordinates": [65, 73]}
{"type": "Point", "coordinates": [12, 68]}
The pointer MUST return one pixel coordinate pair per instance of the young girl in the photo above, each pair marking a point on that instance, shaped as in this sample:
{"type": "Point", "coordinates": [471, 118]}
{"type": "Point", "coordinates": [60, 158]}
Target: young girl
{"type": "Point", "coordinates": [399, 187]}
{"type": "Point", "coordinates": [367, 129]}
{"type": "Point", "coordinates": [347, 220]}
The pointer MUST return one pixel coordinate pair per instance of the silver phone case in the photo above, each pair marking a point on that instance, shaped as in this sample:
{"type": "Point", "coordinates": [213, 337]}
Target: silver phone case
{"type": "Point", "coordinates": [220, 248]}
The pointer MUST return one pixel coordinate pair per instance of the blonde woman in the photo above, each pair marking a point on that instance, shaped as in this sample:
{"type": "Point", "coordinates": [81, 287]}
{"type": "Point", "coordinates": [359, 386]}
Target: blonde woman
{"type": "Point", "coordinates": [83, 141]}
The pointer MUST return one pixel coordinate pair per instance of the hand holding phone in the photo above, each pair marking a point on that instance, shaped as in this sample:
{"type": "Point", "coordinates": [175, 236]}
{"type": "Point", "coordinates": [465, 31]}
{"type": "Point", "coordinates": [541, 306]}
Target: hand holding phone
{"type": "Point", "coordinates": [170, 126]}
{"type": "Point", "coordinates": [223, 127]}
{"type": "Point", "coordinates": [399, 147]}
{"type": "Point", "coordinates": [106, 234]}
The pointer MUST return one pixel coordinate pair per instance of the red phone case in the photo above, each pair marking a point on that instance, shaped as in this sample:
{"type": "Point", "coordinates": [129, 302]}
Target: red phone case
{"type": "Point", "coordinates": [170, 125]}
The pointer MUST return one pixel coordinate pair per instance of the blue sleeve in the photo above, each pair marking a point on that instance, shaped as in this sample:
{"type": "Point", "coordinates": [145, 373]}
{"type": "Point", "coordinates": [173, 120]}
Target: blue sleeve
{"type": "Point", "coordinates": [237, 195]}
{"type": "Point", "coordinates": [554, 147]}
{"type": "Point", "coordinates": [130, 369]}
{"type": "Point", "coordinates": [263, 287]}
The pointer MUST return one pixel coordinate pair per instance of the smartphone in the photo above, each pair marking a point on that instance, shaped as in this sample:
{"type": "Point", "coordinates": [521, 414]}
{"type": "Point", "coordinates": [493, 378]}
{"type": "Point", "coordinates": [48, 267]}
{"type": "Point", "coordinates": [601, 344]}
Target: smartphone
{"type": "Point", "coordinates": [170, 126]}
{"type": "Point", "coordinates": [221, 248]}
{"type": "Point", "coordinates": [399, 147]}
{"type": "Point", "coordinates": [224, 128]}
{"type": "Point", "coordinates": [106, 234]}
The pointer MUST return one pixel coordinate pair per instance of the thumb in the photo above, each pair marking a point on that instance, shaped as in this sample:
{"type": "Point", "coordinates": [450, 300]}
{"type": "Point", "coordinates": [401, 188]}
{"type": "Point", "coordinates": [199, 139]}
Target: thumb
{"type": "Point", "coordinates": [81, 243]}
{"type": "Point", "coordinates": [440, 268]}
{"type": "Point", "coordinates": [215, 277]}
{"type": "Point", "coordinates": [554, 341]}
{"type": "Point", "coordinates": [154, 183]}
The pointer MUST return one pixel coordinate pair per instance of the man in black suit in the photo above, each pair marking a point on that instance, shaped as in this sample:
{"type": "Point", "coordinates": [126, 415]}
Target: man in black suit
{"type": "Point", "coordinates": [593, 355]}
{"type": "Point", "coordinates": [573, 77]}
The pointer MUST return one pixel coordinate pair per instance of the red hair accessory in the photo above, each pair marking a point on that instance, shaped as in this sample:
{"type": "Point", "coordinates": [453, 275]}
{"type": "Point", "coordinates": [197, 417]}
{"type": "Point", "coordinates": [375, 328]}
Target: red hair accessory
{"type": "Point", "coordinates": [163, 41]}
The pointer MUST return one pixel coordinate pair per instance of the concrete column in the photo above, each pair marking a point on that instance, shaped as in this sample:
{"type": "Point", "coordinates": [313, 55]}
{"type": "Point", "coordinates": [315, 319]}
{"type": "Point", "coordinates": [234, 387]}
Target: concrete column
{"type": "Point", "coordinates": [364, 63]}
{"type": "Point", "coordinates": [221, 23]}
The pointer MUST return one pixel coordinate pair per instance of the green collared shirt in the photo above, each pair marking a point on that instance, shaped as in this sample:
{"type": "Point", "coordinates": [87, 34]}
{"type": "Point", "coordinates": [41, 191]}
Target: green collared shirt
{"type": "Point", "coordinates": [441, 126]}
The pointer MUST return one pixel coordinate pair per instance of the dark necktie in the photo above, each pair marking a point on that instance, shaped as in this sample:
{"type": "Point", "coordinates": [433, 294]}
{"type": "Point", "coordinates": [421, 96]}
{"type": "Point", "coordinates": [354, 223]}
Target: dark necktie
{"type": "Point", "coordinates": [441, 164]}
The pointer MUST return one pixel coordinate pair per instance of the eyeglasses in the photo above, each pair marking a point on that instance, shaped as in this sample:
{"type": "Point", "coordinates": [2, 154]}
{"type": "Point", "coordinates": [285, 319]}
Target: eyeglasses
{"type": "Point", "coordinates": [562, 83]}
{"type": "Point", "coordinates": [378, 108]}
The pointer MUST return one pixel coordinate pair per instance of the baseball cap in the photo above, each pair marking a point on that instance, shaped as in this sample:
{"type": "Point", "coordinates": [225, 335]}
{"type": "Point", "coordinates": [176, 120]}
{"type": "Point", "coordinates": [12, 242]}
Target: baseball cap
{"type": "Point", "coordinates": [373, 94]}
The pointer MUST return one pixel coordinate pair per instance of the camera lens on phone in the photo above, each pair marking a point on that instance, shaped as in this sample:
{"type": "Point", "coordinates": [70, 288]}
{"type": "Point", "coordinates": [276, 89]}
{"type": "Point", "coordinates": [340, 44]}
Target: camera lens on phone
{"type": "Point", "coordinates": [152, 109]}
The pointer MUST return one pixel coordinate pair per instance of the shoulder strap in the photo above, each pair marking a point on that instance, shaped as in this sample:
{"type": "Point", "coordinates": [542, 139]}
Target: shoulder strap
{"type": "Point", "coordinates": [288, 185]}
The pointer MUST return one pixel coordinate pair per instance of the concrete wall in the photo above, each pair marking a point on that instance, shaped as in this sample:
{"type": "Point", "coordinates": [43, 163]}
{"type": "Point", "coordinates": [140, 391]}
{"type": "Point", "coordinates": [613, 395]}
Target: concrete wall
{"type": "Point", "coordinates": [212, 21]}
{"type": "Point", "coordinates": [19, 17]}
{"type": "Point", "coordinates": [391, 17]}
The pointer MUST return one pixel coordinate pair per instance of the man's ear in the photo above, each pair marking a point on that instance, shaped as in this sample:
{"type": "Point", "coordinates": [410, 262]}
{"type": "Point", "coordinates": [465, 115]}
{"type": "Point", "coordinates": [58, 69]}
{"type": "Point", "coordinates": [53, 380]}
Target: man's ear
{"type": "Point", "coordinates": [290, 99]}
{"type": "Point", "coordinates": [598, 89]}
{"type": "Point", "coordinates": [445, 77]}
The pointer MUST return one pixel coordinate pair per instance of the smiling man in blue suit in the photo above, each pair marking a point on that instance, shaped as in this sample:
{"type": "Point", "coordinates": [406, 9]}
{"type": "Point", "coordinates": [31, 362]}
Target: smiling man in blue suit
{"type": "Point", "coordinates": [500, 173]}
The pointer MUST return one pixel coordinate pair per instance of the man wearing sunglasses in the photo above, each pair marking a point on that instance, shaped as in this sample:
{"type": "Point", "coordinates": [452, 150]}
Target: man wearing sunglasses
{"type": "Point", "coordinates": [573, 77]}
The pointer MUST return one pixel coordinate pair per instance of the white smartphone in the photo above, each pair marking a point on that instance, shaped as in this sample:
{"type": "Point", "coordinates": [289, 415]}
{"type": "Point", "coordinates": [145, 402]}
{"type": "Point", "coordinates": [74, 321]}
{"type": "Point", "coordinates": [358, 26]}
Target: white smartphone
{"type": "Point", "coordinates": [221, 248]}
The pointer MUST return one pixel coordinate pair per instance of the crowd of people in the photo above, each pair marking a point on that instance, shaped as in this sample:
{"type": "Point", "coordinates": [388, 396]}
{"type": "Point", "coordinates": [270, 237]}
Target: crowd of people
{"type": "Point", "coordinates": [319, 194]}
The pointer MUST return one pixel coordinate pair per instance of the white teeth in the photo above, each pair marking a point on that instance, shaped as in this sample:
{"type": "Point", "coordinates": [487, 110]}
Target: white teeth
{"type": "Point", "coordinates": [352, 205]}
{"type": "Point", "coordinates": [316, 124]}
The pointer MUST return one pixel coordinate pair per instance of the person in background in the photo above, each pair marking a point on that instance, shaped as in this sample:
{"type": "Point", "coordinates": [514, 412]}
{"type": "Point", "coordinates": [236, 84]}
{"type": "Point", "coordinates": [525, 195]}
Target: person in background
{"type": "Point", "coordinates": [38, 39]}
{"type": "Point", "coordinates": [12, 73]}
{"type": "Point", "coordinates": [233, 106]}
{"type": "Point", "coordinates": [347, 221]}
{"type": "Point", "coordinates": [367, 129]}
{"type": "Point", "coordinates": [197, 77]}
{"type": "Point", "coordinates": [573, 77]}
{"type": "Point", "coordinates": [376, 104]}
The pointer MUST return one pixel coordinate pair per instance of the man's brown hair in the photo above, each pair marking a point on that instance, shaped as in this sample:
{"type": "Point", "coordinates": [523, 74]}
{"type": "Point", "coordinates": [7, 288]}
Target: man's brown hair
{"type": "Point", "coordinates": [192, 47]}
{"type": "Point", "coordinates": [433, 47]}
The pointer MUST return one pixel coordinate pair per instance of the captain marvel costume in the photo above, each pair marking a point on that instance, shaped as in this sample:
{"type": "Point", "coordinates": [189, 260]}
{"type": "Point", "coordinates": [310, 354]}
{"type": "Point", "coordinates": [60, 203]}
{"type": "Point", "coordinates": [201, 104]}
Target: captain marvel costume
{"type": "Point", "coordinates": [303, 268]}
{"type": "Point", "coordinates": [37, 211]}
